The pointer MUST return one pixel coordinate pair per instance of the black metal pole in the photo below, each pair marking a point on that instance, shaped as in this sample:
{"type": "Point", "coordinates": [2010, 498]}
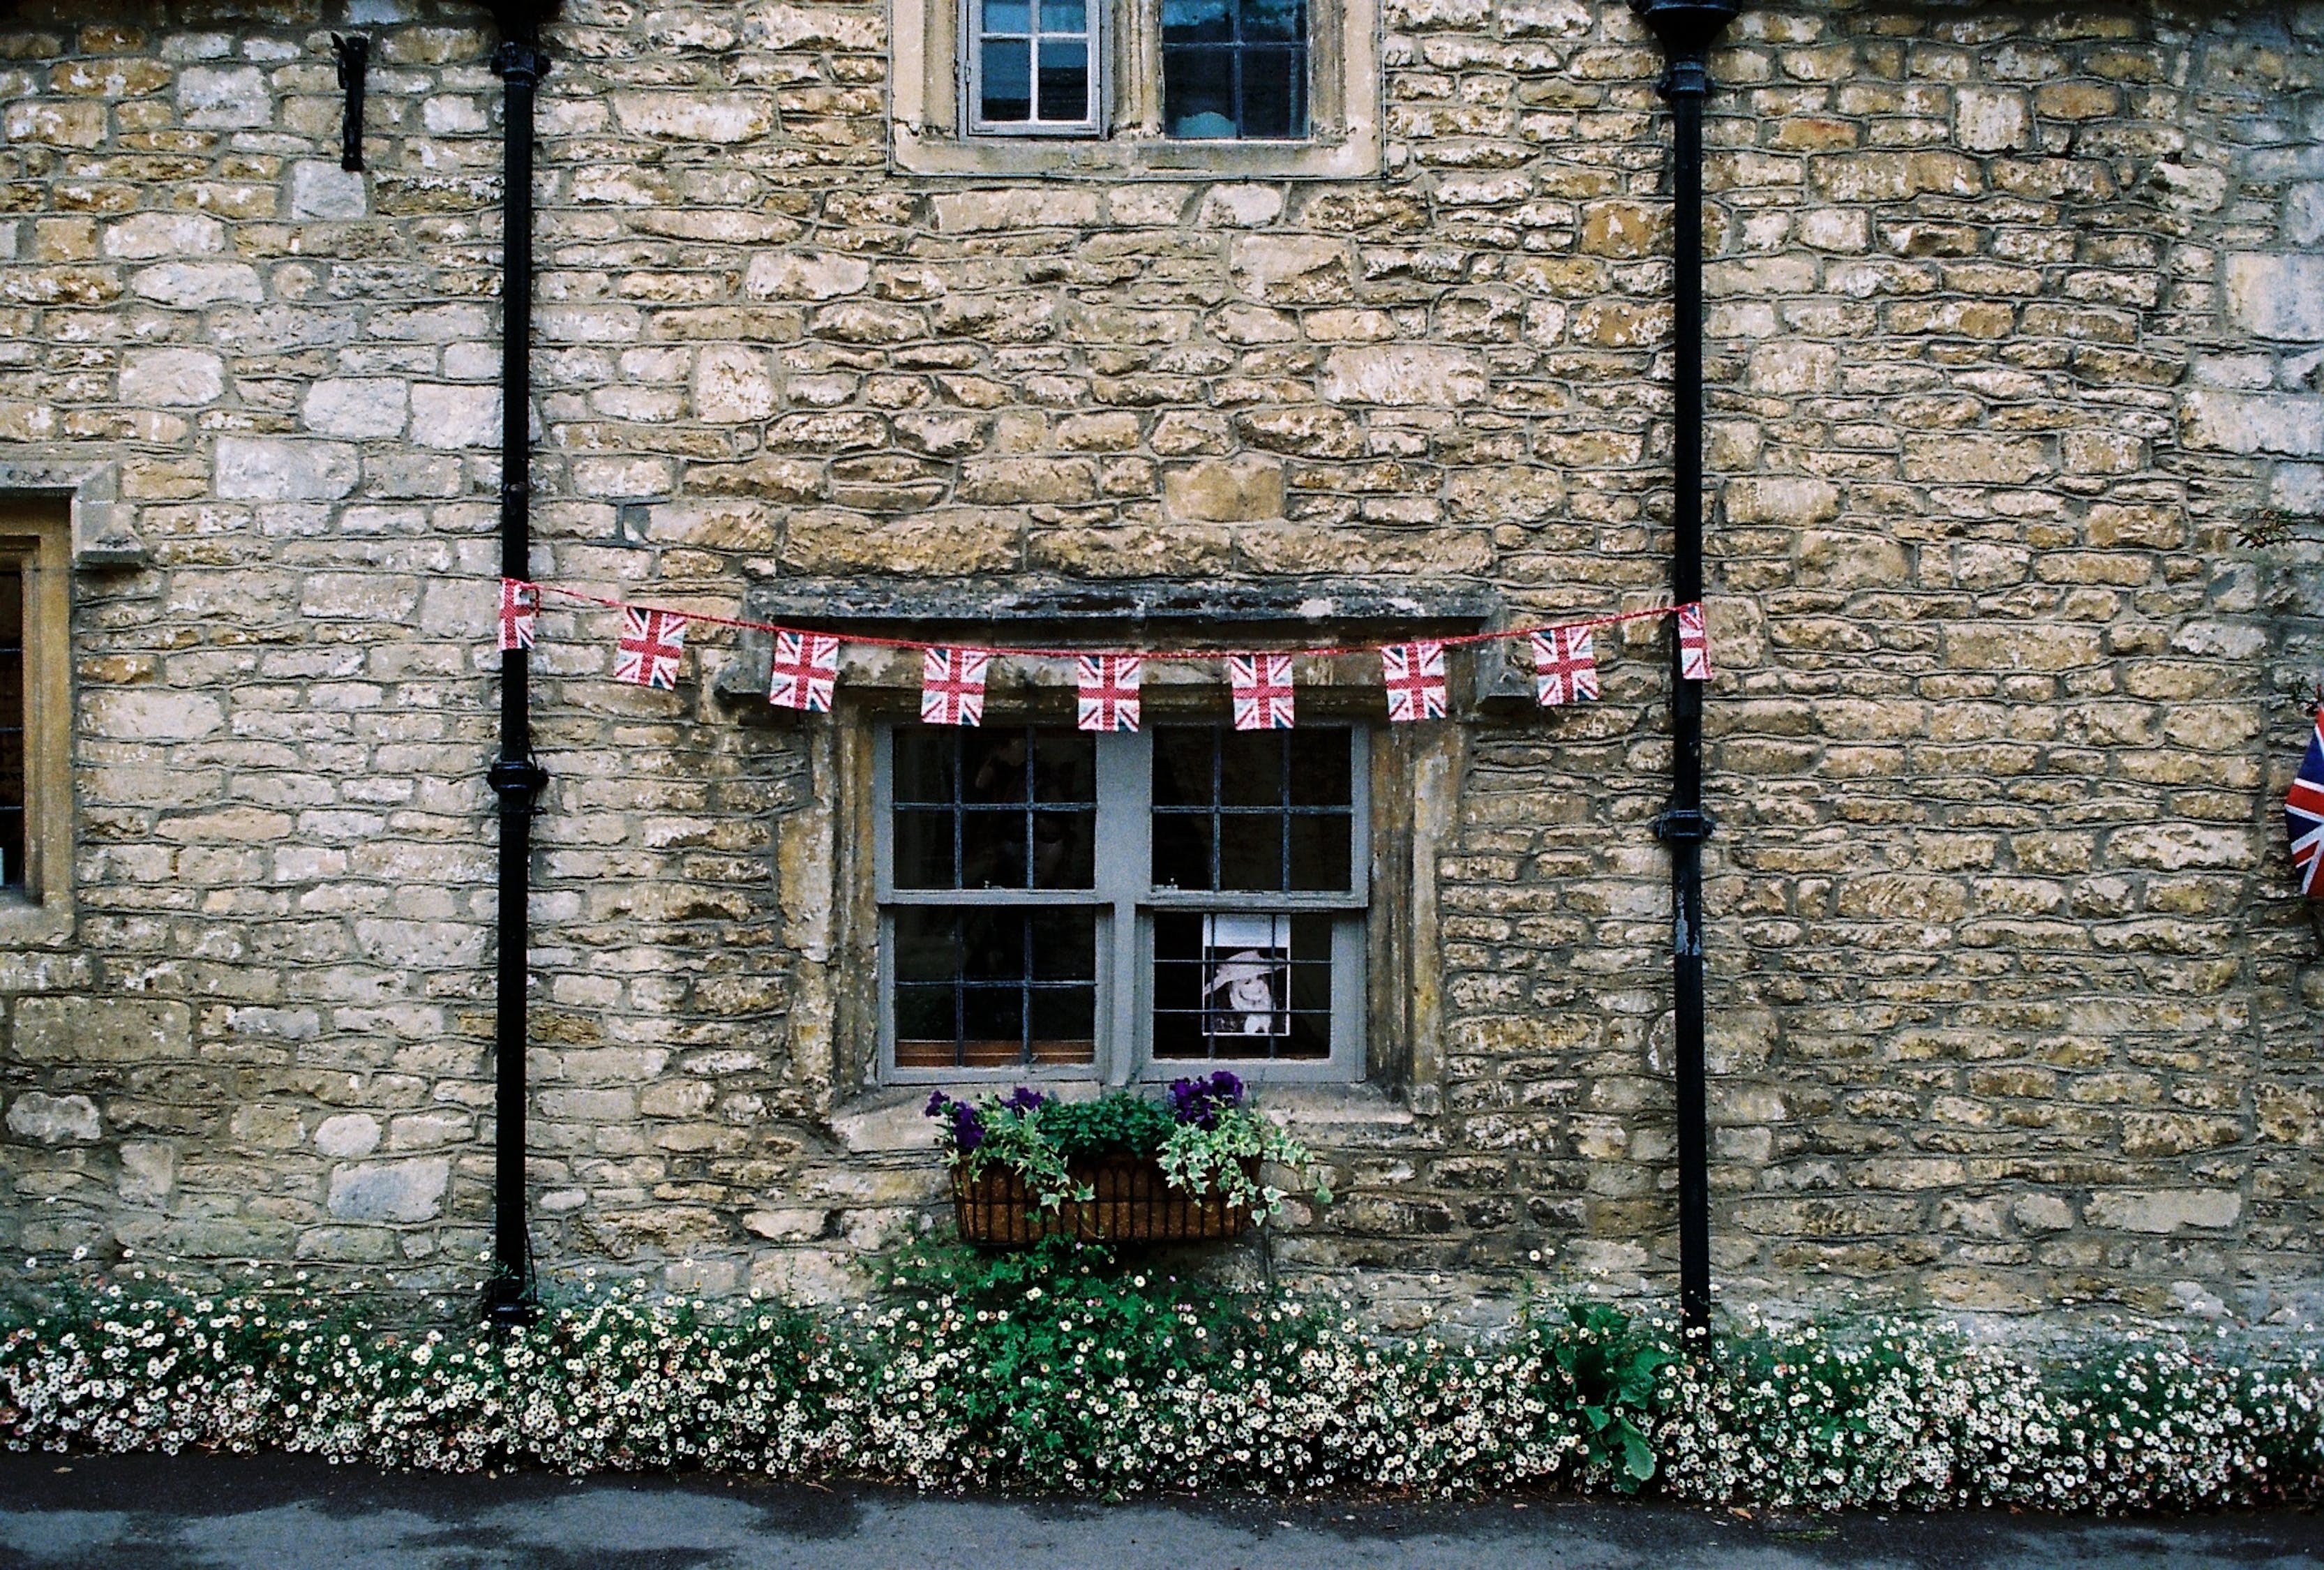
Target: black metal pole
{"type": "Point", "coordinates": [355, 55]}
{"type": "Point", "coordinates": [1687, 29]}
{"type": "Point", "coordinates": [516, 779]}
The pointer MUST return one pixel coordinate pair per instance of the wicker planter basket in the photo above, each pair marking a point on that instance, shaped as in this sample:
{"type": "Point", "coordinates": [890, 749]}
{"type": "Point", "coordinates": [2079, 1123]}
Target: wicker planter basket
{"type": "Point", "coordinates": [1131, 1202]}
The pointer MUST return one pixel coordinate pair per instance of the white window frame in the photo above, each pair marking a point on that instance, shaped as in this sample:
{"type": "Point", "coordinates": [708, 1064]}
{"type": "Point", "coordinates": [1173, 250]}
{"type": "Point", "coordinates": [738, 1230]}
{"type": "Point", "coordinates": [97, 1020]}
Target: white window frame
{"type": "Point", "coordinates": [1125, 901]}
{"type": "Point", "coordinates": [971, 78]}
{"type": "Point", "coordinates": [932, 64]}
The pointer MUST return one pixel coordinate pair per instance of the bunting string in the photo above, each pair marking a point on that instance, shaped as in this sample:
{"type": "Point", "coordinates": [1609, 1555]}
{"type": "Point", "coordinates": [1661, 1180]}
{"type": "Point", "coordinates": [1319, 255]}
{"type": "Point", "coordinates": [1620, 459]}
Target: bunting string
{"type": "Point", "coordinates": [804, 667]}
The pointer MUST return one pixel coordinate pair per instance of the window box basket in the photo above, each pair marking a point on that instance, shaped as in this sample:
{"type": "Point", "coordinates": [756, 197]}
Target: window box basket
{"type": "Point", "coordinates": [1119, 1170]}
{"type": "Point", "coordinates": [1131, 1201]}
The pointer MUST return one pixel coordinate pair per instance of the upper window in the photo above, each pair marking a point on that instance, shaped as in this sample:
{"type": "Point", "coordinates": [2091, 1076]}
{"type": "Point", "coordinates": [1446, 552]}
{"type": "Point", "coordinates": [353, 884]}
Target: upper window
{"type": "Point", "coordinates": [35, 711]}
{"type": "Point", "coordinates": [1228, 87]}
{"type": "Point", "coordinates": [1055, 903]}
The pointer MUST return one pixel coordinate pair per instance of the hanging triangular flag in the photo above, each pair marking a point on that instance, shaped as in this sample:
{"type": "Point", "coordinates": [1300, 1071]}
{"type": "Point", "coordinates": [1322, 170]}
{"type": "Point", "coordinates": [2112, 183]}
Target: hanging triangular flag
{"type": "Point", "coordinates": [952, 686]}
{"type": "Point", "coordinates": [1565, 665]}
{"type": "Point", "coordinates": [652, 648]}
{"type": "Point", "coordinates": [805, 670]}
{"type": "Point", "coordinates": [2304, 812]}
{"type": "Point", "coordinates": [1108, 687]}
{"type": "Point", "coordinates": [1413, 674]}
{"type": "Point", "coordinates": [520, 605]}
{"type": "Point", "coordinates": [1261, 685]}
{"type": "Point", "coordinates": [1694, 644]}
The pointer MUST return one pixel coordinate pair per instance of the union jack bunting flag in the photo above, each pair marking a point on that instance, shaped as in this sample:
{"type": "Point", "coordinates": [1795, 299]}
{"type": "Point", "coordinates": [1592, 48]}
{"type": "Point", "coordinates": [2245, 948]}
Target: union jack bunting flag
{"type": "Point", "coordinates": [805, 670]}
{"type": "Point", "coordinates": [2303, 811]}
{"type": "Point", "coordinates": [1413, 674]}
{"type": "Point", "coordinates": [520, 605]}
{"type": "Point", "coordinates": [1565, 665]}
{"type": "Point", "coordinates": [952, 686]}
{"type": "Point", "coordinates": [1261, 683]}
{"type": "Point", "coordinates": [1109, 691]}
{"type": "Point", "coordinates": [653, 646]}
{"type": "Point", "coordinates": [1694, 644]}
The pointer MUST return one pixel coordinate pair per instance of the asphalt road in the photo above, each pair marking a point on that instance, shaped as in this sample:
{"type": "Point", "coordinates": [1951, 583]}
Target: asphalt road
{"type": "Point", "coordinates": [200, 1512]}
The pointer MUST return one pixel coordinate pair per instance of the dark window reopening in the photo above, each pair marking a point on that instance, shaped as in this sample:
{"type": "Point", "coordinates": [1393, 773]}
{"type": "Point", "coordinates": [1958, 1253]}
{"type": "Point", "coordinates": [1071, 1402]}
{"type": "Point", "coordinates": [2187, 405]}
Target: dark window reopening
{"type": "Point", "coordinates": [1056, 903]}
{"type": "Point", "coordinates": [994, 986]}
{"type": "Point", "coordinates": [1033, 65]}
{"type": "Point", "coordinates": [1234, 69]}
{"type": "Point", "coordinates": [11, 729]}
{"type": "Point", "coordinates": [995, 809]}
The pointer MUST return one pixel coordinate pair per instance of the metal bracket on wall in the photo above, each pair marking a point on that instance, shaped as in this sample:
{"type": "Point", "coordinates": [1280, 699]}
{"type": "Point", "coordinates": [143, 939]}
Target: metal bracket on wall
{"type": "Point", "coordinates": [353, 53]}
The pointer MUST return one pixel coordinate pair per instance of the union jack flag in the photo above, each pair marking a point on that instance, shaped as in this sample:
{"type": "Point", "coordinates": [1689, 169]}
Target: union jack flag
{"type": "Point", "coordinates": [1565, 665]}
{"type": "Point", "coordinates": [1413, 674]}
{"type": "Point", "coordinates": [2303, 811]}
{"type": "Point", "coordinates": [952, 686]}
{"type": "Point", "coordinates": [652, 647]}
{"type": "Point", "coordinates": [1261, 683]}
{"type": "Point", "coordinates": [1694, 644]}
{"type": "Point", "coordinates": [1109, 691]}
{"type": "Point", "coordinates": [520, 605]}
{"type": "Point", "coordinates": [805, 669]}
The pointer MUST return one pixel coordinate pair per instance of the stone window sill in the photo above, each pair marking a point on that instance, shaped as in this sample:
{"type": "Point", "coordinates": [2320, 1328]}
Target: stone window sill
{"type": "Point", "coordinates": [928, 151]}
{"type": "Point", "coordinates": [890, 1120]}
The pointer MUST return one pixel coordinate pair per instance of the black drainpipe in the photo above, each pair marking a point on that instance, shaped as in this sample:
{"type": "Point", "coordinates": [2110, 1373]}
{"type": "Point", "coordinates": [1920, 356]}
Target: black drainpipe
{"type": "Point", "coordinates": [516, 779]}
{"type": "Point", "coordinates": [1687, 29]}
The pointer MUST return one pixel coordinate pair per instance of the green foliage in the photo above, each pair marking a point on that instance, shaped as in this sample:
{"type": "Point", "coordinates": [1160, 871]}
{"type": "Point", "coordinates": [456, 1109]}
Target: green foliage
{"type": "Point", "coordinates": [1122, 1123]}
{"type": "Point", "coordinates": [1610, 1361]}
{"type": "Point", "coordinates": [1068, 1368]}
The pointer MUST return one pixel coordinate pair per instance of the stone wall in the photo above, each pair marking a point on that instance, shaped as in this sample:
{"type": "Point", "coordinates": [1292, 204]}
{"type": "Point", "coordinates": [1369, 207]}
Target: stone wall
{"type": "Point", "coordinates": [2014, 329]}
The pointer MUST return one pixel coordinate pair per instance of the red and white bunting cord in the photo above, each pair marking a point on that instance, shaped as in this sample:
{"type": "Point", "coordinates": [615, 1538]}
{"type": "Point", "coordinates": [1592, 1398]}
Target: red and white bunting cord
{"type": "Point", "coordinates": [805, 670]}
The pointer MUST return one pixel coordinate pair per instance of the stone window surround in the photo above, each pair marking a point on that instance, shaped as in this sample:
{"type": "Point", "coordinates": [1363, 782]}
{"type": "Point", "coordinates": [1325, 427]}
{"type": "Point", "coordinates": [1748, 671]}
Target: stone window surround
{"type": "Point", "coordinates": [825, 872]}
{"type": "Point", "coordinates": [36, 532]}
{"type": "Point", "coordinates": [928, 104]}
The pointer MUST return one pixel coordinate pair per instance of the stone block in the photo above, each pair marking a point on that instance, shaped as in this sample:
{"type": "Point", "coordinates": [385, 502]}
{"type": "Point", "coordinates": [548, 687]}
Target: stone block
{"type": "Point", "coordinates": [805, 275]}
{"type": "Point", "coordinates": [355, 406]}
{"type": "Point", "coordinates": [149, 1172]}
{"type": "Point", "coordinates": [147, 235]}
{"type": "Point", "coordinates": [343, 1136]}
{"type": "Point", "coordinates": [449, 415]}
{"type": "Point", "coordinates": [731, 384]}
{"type": "Point", "coordinates": [84, 1030]}
{"type": "Point", "coordinates": [1403, 374]}
{"type": "Point", "coordinates": [2278, 295]}
{"type": "Point", "coordinates": [390, 1191]}
{"type": "Point", "coordinates": [1292, 269]}
{"type": "Point", "coordinates": [278, 469]}
{"type": "Point", "coordinates": [2163, 1210]}
{"type": "Point", "coordinates": [1991, 119]}
{"type": "Point", "coordinates": [322, 189]}
{"type": "Point", "coordinates": [196, 283]}
{"type": "Point", "coordinates": [223, 97]}
{"type": "Point", "coordinates": [1225, 491]}
{"type": "Point", "coordinates": [722, 119]}
{"type": "Point", "coordinates": [2289, 423]}
{"type": "Point", "coordinates": [1790, 500]}
{"type": "Point", "coordinates": [53, 1120]}
{"type": "Point", "coordinates": [172, 378]}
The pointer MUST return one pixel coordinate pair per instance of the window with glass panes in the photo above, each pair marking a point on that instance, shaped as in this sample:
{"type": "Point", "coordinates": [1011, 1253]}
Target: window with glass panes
{"type": "Point", "coordinates": [1033, 67]}
{"type": "Point", "coordinates": [1229, 69]}
{"type": "Point", "coordinates": [1055, 903]}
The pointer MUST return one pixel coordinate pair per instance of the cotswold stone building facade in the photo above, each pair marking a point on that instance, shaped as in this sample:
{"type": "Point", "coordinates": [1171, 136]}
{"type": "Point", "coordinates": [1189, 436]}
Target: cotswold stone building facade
{"type": "Point", "coordinates": [2015, 315]}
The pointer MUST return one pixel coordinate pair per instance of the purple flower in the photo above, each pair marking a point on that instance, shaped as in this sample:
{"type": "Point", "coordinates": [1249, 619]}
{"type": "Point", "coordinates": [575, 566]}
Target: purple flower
{"type": "Point", "coordinates": [1200, 1101]}
{"type": "Point", "coordinates": [1025, 1101]}
{"type": "Point", "coordinates": [966, 1130]}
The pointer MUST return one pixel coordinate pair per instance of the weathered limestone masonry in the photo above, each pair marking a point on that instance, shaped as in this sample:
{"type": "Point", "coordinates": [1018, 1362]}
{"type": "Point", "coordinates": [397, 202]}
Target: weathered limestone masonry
{"type": "Point", "coordinates": [2015, 321]}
